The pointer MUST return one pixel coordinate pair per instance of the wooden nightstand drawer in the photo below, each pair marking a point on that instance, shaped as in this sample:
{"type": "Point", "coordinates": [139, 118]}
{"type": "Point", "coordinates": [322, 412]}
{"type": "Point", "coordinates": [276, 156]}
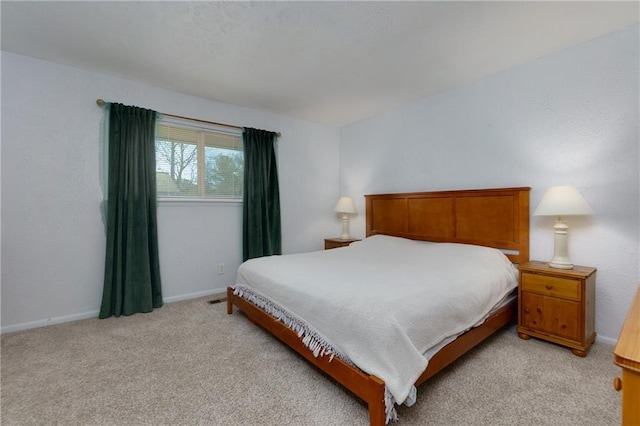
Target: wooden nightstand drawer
{"type": "Point", "coordinates": [552, 286]}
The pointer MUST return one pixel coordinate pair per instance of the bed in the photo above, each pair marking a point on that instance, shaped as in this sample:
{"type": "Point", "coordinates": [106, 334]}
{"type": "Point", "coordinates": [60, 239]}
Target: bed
{"type": "Point", "coordinates": [470, 219]}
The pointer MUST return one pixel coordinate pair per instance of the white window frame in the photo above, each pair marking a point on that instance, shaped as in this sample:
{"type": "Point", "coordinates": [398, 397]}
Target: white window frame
{"type": "Point", "coordinates": [201, 161]}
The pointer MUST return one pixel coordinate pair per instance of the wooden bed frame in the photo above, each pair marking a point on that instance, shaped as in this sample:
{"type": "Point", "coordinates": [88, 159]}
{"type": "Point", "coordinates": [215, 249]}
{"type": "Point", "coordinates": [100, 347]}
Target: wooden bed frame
{"type": "Point", "coordinates": [496, 218]}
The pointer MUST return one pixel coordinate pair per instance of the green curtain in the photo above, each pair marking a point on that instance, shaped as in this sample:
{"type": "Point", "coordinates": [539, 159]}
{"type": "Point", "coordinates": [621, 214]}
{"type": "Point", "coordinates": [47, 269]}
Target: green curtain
{"type": "Point", "coordinates": [261, 199]}
{"type": "Point", "coordinates": [132, 269]}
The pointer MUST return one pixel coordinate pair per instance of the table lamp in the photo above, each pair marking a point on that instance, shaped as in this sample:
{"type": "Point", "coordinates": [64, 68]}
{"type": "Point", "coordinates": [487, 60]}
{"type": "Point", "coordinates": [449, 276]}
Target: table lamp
{"type": "Point", "coordinates": [561, 201]}
{"type": "Point", "coordinates": [346, 207]}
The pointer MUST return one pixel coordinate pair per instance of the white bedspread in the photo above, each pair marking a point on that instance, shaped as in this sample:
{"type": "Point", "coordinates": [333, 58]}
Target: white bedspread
{"type": "Point", "coordinates": [383, 302]}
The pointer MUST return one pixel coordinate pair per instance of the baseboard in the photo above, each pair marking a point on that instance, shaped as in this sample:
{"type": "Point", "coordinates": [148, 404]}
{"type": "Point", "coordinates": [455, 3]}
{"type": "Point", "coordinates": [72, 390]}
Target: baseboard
{"type": "Point", "coordinates": [606, 340]}
{"type": "Point", "coordinates": [49, 321]}
{"type": "Point", "coordinates": [215, 291]}
{"type": "Point", "coordinates": [94, 314]}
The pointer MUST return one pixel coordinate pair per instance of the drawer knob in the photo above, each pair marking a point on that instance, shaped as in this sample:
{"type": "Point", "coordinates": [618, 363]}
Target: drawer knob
{"type": "Point", "coordinates": [549, 286]}
{"type": "Point", "coordinates": [617, 384]}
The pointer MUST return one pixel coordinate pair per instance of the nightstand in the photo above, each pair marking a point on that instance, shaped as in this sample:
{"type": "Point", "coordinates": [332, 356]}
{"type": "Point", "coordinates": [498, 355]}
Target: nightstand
{"type": "Point", "coordinates": [331, 243]}
{"type": "Point", "coordinates": [557, 305]}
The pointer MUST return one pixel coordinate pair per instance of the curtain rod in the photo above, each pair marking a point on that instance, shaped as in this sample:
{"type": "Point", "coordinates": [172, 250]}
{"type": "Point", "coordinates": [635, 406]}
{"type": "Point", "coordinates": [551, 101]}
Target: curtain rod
{"type": "Point", "coordinates": [101, 103]}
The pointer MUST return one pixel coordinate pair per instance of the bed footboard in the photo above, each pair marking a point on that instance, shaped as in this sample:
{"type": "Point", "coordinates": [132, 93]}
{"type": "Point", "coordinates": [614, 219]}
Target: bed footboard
{"type": "Point", "coordinates": [371, 389]}
{"type": "Point", "coordinates": [368, 388]}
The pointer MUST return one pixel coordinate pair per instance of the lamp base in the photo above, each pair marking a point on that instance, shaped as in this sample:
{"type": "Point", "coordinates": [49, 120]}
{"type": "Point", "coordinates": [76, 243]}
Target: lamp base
{"type": "Point", "coordinates": [345, 228]}
{"type": "Point", "coordinates": [560, 247]}
{"type": "Point", "coordinates": [560, 264]}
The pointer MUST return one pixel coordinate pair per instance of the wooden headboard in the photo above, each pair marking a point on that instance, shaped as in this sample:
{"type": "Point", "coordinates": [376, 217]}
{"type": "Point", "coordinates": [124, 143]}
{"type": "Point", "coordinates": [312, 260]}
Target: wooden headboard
{"type": "Point", "coordinates": [496, 218]}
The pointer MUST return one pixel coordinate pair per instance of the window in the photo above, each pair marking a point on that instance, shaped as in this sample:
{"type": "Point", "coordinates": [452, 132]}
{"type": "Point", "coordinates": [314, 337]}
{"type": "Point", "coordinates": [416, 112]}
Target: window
{"type": "Point", "coordinates": [194, 161]}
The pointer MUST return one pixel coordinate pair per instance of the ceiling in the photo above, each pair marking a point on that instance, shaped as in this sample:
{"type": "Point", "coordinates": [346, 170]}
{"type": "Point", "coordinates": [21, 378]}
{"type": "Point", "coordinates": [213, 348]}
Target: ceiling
{"type": "Point", "coordinates": [333, 63]}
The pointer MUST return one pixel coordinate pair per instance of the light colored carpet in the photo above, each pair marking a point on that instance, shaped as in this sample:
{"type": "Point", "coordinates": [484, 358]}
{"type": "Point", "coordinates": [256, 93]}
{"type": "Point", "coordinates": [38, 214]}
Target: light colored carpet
{"type": "Point", "coordinates": [189, 363]}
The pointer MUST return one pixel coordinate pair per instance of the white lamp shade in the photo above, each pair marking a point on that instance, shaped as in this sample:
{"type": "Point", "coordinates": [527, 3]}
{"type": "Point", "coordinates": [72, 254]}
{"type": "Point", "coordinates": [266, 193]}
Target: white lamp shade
{"type": "Point", "coordinates": [345, 205]}
{"type": "Point", "coordinates": [562, 201]}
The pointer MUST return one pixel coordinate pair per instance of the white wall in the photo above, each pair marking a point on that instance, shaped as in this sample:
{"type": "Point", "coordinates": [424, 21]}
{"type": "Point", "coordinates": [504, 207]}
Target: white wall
{"type": "Point", "coordinates": [52, 235]}
{"type": "Point", "coordinates": [566, 119]}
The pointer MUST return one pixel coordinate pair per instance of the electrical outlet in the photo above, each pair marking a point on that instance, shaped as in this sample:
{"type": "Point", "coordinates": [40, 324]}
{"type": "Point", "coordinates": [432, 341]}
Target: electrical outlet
{"type": "Point", "coordinates": [221, 269]}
